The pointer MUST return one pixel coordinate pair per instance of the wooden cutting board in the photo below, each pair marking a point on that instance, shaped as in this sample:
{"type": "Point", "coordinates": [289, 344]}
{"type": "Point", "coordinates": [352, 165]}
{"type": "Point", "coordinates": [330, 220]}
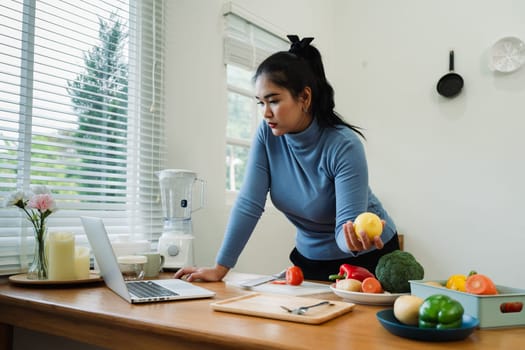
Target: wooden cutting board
{"type": "Point", "coordinates": [269, 306]}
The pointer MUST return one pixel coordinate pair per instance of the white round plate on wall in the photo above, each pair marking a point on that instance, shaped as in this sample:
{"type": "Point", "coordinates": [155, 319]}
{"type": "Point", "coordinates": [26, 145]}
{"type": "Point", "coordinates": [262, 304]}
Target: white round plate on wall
{"type": "Point", "coordinates": [507, 54]}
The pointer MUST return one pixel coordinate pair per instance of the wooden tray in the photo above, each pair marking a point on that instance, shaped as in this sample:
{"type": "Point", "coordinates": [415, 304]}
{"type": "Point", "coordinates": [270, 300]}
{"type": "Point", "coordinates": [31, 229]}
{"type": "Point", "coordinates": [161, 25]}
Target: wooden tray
{"type": "Point", "coordinates": [269, 306]}
{"type": "Point", "coordinates": [22, 279]}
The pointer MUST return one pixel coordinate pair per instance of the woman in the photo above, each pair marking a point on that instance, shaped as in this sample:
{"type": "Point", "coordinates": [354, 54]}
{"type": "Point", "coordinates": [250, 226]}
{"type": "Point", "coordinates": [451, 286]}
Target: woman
{"type": "Point", "coordinates": [314, 166]}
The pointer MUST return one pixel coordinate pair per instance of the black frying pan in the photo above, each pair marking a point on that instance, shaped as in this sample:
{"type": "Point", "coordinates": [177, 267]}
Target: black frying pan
{"type": "Point", "coordinates": [451, 83]}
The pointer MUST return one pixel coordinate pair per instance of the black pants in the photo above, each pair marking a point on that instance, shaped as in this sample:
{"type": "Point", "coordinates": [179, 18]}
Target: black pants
{"type": "Point", "coordinates": [320, 269]}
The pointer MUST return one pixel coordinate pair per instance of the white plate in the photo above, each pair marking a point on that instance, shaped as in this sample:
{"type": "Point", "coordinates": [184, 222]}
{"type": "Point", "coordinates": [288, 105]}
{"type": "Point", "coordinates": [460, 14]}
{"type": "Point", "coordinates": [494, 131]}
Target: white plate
{"type": "Point", "coordinates": [385, 298]}
{"type": "Point", "coordinates": [508, 54]}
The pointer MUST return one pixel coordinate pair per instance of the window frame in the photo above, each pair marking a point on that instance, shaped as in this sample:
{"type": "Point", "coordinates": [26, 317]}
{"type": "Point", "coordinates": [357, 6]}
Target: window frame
{"type": "Point", "coordinates": [255, 119]}
{"type": "Point", "coordinates": [147, 64]}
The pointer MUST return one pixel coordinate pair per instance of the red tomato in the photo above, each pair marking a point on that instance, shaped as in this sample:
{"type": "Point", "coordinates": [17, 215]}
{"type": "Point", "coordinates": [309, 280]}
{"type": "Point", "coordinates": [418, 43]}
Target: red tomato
{"type": "Point", "coordinates": [294, 275]}
{"type": "Point", "coordinates": [480, 284]}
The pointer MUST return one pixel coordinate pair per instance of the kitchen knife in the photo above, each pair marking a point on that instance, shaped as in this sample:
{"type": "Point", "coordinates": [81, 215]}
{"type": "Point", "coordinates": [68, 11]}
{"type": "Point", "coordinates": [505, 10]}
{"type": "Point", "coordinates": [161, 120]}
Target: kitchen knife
{"type": "Point", "coordinates": [254, 282]}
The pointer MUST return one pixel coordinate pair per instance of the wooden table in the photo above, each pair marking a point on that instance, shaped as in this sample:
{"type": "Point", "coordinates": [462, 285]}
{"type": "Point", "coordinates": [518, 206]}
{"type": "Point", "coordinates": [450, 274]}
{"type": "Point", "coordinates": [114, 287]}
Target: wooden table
{"type": "Point", "coordinates": [93, 314]}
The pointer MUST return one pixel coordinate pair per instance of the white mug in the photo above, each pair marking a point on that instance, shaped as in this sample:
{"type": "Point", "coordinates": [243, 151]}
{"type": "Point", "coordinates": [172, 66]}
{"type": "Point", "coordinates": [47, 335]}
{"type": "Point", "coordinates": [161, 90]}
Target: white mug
{"type": "Point", "coordinates": [153, 265]}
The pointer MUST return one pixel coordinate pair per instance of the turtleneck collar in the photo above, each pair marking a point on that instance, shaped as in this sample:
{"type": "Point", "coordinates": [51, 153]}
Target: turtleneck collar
{"type": "Point", "coordinates": [305, 138]}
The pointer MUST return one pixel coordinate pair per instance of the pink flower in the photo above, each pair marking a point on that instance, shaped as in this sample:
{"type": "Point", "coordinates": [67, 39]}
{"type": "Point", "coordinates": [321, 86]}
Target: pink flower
{"type": "Point", "coordinates": [42, 202]}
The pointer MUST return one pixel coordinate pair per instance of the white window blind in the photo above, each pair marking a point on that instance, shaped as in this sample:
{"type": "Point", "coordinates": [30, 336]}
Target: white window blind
{"type": "Point", "coordinates": [246, 44]}
{"type": "Point", "coordinates": [82, 112]}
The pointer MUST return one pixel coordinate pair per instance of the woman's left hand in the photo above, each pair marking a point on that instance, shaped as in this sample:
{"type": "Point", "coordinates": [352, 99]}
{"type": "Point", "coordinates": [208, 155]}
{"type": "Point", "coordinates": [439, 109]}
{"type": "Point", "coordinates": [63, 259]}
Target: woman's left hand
{"type": "Point", "coordinates": [364, 243]}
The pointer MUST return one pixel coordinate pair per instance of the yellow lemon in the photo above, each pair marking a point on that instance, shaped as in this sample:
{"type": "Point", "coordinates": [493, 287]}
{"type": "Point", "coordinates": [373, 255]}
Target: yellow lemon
{"type": "Point", "coordinates": [370, 223]}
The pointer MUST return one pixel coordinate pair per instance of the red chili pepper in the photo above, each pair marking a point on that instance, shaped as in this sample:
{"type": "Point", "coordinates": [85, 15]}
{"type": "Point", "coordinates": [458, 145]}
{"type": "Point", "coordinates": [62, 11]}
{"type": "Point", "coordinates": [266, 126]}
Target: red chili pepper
{"type": "Point", "coordinates": [347, 271]}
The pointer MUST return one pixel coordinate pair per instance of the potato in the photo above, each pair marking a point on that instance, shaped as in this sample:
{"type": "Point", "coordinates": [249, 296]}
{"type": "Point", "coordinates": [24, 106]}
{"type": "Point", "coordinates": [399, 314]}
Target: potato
{"type": "Point", "coordinates": [406, 309]}
{"type": "Point", "coordinates": [350, 285]}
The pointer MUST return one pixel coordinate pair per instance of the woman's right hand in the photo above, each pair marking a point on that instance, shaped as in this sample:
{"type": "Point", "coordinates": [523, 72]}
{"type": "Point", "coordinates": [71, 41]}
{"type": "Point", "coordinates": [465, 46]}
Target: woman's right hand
{"type": "Point", "coordinates": [208, 274]}
{"type": "Point", "coordinates": [355, 244]}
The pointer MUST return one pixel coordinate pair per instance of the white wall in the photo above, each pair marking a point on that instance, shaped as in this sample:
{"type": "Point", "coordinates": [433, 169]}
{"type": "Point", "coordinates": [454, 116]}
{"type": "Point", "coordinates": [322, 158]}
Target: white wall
{"type": "Point", "coordinates": [448, 170]}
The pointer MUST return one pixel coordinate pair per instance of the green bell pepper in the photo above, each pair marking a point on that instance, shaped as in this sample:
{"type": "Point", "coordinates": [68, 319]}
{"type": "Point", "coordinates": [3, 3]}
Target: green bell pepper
{"type": "Point", "coordinates": [440, 312]}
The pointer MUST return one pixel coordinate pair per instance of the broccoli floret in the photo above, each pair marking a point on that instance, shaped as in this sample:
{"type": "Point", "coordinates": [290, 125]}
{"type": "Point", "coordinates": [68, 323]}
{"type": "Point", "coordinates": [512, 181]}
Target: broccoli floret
{"type": "Point", "coordinates": [395, 269]}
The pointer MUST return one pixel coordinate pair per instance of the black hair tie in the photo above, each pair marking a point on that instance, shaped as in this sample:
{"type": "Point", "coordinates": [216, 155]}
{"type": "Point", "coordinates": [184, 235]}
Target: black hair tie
{"type": "Point", "coordinates": [298, 45]}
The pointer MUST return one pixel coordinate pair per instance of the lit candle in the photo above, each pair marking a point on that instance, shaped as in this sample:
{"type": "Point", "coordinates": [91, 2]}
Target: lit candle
{"type": "Point", "coordinates": [61, 258]}
{"type": "Point", "coordinates": [82, 262]}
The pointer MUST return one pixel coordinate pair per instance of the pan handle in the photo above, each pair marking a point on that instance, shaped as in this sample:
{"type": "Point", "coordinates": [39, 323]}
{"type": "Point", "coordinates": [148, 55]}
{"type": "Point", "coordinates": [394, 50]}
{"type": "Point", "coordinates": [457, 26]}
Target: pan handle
{"type": "Point", "coordinates": [451, 61]}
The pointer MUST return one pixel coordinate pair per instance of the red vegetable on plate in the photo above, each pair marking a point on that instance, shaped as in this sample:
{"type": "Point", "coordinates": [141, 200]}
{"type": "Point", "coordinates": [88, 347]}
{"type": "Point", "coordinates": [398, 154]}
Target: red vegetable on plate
{"type": "Point", "coordinates": [347, 271]}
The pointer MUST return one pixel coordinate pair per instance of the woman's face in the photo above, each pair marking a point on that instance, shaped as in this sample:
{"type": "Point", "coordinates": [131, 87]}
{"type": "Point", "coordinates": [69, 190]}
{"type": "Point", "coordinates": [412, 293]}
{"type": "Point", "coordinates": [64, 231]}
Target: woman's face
{"type": "Point", "coordinates": [283, 113]}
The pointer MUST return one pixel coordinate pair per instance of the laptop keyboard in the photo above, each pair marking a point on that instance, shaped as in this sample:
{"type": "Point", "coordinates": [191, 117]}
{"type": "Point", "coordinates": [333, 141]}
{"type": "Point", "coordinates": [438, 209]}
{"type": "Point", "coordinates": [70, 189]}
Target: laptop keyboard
{"type": "Point", "coordinates": [148, 289]}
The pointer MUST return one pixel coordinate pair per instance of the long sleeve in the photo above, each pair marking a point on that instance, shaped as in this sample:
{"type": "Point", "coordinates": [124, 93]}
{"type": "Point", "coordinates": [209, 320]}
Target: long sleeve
{"type": "Point", "coordinates": [351, 186]}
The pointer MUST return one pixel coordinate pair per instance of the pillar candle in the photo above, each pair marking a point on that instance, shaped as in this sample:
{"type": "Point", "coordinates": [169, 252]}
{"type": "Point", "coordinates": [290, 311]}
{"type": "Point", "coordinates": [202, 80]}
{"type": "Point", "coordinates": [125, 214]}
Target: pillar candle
{"type": "Point", "coordinates": [61, 259]}
{"type": "Point", "coordinates": [81, 262]}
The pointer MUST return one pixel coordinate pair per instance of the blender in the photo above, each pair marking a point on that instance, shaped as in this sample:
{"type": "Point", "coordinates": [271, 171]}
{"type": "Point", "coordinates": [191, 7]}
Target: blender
{"type": "Point", "coordinates": [176, 193]}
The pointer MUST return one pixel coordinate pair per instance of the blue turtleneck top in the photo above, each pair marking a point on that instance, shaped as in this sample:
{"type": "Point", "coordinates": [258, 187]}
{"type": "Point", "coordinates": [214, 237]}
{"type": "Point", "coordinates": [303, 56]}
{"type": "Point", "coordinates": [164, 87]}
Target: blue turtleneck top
{"type": "Point", "coordinates": [318, 178]}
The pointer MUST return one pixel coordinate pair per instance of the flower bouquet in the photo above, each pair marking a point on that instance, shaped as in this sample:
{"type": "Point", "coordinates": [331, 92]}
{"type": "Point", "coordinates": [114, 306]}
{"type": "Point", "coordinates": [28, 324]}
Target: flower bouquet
{"type": "Point", "coordinates": [37, 205]}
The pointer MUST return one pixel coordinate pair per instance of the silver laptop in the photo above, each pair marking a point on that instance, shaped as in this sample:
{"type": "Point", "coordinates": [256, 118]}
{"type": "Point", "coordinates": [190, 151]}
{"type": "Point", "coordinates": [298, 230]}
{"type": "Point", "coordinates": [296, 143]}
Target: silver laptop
{"type": "Point", "coordinates": [143, 291]}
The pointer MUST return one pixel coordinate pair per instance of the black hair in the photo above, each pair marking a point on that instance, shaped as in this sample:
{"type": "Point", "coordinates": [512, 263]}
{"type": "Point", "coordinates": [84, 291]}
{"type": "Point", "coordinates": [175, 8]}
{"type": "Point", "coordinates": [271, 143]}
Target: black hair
{"type": "Point", "coordinates": [298, 68]}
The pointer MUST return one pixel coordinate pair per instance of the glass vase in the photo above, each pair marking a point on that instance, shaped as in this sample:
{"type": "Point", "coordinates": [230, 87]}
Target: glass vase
{"type": "Point", "coordinates": [38, 268]}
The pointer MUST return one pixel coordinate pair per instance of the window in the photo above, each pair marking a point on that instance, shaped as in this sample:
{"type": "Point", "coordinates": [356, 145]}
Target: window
{"type": "Point", "coordinates": [241, 124]}
{"type": "Point", "coordinates": [81, 111]}
{"type": "Point", "coordinates": [246, 45]}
